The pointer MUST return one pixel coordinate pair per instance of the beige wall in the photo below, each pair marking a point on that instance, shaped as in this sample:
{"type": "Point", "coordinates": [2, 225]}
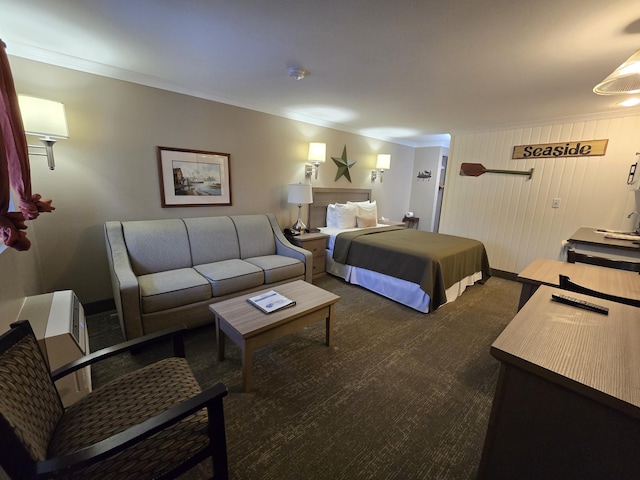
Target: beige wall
{"type": "Point", "coordinates": [513, 216]}
{"type": "Point", "coordinates": [108, 170]}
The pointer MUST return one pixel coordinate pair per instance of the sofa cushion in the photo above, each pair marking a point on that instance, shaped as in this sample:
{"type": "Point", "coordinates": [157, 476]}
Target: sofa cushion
{"type": "Point", "coordinates": [278, 267]}
{"type": "Point", "coordinates": [255, 235]}
{"type": "Point", "coordinates": [230, 276]}
{"type": "Point", "coordinates": [157, 245]}
{"type": "Point", "coordinates": [212, 239]}
{"type": "Point", "coordinates": [165, 290]}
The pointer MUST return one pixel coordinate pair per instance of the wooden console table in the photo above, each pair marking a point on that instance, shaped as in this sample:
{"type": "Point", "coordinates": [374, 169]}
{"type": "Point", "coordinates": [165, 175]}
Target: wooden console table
{"type": "Point", "coordinates": [567, 402]}
{"type": "Point", "coordinates": [543, 271]}
{"type": "Point", "coordinates": [589, 237]}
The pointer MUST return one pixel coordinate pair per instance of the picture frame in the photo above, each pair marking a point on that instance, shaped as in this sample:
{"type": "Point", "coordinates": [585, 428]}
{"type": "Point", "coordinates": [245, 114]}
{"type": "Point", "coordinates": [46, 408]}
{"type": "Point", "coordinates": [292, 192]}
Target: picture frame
{"type": "Point", "coordinates": [193, 178]}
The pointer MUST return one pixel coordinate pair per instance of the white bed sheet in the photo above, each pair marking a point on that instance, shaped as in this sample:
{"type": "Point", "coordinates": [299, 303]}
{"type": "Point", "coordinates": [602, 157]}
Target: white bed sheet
{"type": "Point", "coordinates": [396, 289]}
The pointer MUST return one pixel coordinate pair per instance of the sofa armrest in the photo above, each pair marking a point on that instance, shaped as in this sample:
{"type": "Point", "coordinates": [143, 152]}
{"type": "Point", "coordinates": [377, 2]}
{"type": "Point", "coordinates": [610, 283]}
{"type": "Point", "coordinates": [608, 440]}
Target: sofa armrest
{"type": "Point", "coordinates": [283, 247]}
{"type": "Point", "coordinates": [126, 291]}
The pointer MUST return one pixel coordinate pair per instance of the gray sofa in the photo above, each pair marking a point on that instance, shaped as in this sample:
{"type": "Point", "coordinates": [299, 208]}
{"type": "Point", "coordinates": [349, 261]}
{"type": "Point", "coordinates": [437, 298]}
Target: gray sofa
{"type": "Point", "coordinates": [168, 272]}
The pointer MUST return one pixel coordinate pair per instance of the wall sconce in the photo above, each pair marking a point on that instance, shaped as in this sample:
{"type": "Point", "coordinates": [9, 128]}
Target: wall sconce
{"type": "Point", "coordinates": [45, 119]}
{"type": "Point", "coordinates": [383, 163]}
{"type": "Point", "coordinates": [624, 79]}
{"type": "Point", "coordinates": [317, 155]}
{"type": "Point", "coordinates": [300, 193]}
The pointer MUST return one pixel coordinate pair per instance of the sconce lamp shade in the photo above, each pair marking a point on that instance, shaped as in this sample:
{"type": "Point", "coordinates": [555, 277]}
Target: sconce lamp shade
{"type": "Point", "coordinates": [300, 193]}
{"type": "Point", "coordinates": [44, 118]}
{"type": "Point", "coordinates": [383, 162]}
{"type": "Point", "coordinates": [624, 79]}
{"type": "Point", "coordinates": [317, 152]}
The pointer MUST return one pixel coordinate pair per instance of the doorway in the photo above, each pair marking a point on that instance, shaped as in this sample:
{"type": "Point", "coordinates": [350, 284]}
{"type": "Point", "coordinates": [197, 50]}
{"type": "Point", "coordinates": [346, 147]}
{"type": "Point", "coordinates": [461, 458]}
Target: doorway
{"type": "Point", "coordinates": [443, 171]}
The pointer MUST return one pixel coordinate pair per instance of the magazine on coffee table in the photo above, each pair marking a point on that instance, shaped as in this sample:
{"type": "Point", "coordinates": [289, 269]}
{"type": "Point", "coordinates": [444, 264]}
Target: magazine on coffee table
{"type": "Point", "coordinates": [271, 301]}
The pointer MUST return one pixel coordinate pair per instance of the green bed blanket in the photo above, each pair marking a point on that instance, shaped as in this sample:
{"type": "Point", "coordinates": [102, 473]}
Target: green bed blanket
{"type": "Point", "coordinates": [433, 260]}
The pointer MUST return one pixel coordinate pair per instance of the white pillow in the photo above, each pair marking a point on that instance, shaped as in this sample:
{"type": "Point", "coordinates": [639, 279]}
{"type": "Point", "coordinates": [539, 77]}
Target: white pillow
{"type": "Point", "coordinates": [346, 215]}
{"type": "Point", "coordinates": [366, 209]}
{"type": "Point", "coordinates": [331, 215]}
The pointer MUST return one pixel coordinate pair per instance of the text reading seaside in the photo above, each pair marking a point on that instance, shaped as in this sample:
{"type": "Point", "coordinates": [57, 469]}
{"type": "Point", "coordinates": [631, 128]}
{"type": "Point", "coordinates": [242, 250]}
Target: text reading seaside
{"type": "Point", "coordinates": [584, 148]}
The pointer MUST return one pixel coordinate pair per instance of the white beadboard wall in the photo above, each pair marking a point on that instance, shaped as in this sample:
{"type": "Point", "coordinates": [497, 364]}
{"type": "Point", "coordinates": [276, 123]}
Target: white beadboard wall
{"type": "Point", "coordinates": [512, 215]}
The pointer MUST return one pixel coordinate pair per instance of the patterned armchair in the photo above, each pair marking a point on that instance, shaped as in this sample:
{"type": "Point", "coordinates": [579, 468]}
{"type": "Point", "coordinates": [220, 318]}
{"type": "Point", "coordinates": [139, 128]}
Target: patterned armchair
{"type": "Point", "coordinates": [154, 422]}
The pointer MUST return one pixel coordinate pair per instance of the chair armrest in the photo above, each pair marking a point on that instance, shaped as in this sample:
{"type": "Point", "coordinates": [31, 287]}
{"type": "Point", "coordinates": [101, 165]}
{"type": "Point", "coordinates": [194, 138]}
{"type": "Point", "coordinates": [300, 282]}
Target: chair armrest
{"type": "Point", "coordinates": [285, 248]}
{"type": "Point", "coordinates": [567, 284]}
{"type": "Point", "coordinates": [175, 333]}
{"type": "Point", "coordinates": [210, 398]}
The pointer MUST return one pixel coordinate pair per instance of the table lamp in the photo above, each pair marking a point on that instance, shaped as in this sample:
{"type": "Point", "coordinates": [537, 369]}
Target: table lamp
{"type": "Point", "coordinates": [300, 193]}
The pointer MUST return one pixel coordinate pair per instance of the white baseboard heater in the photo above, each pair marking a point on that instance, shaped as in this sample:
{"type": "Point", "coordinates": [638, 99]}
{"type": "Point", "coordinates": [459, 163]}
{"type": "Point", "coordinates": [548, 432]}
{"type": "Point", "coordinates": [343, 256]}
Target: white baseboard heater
{"type": "Point", "coordinates": [59, 325]}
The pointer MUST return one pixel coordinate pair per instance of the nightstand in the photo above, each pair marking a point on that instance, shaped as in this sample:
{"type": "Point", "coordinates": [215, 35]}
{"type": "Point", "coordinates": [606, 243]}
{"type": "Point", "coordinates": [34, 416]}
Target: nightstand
{"type": "Point", "coordinates": [316, 243]}
{"type": "Point", "coordinates": [411, 222]}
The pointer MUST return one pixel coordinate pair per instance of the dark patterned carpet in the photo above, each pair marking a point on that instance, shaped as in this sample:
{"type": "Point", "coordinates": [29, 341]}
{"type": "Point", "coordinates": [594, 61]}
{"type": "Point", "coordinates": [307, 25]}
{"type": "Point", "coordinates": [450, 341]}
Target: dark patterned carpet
{"type": "Point", "coordinates": [400, 394]}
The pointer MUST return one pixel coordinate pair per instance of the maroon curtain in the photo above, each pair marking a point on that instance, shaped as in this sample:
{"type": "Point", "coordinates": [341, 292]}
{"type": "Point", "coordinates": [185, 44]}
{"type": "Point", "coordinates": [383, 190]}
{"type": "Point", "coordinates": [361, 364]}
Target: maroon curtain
{"type": "Point", "coordinates": [14, 165]}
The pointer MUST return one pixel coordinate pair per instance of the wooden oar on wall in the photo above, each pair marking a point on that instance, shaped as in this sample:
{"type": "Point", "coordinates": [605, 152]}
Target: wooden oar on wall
{"type": "Point", "coordinates": [477, 169]}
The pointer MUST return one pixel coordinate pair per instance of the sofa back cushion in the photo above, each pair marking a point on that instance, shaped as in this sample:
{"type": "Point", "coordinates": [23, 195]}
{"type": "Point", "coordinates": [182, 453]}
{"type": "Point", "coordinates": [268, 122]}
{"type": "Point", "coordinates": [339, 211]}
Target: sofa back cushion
{"type": "Point", "coordinates": [255, 235]}
{"type": "Point", "coordinates": [212, 239]}
{"type": "Point", "coordinates": [157, 245]}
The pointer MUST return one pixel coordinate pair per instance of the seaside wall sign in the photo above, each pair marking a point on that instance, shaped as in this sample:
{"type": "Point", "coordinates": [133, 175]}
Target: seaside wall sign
{"type": "Point", "coordinates": [583, 148]}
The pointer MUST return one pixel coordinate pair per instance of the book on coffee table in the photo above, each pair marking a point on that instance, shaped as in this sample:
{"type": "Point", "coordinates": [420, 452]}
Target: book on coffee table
{"type": "Point", "coordinates": [271, 301]}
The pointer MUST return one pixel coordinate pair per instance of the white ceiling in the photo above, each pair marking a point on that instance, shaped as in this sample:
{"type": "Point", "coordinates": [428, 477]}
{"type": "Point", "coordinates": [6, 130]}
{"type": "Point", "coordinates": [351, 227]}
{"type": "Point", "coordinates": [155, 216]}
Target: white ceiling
{"type": "Point", "coordinates": [405, 70]}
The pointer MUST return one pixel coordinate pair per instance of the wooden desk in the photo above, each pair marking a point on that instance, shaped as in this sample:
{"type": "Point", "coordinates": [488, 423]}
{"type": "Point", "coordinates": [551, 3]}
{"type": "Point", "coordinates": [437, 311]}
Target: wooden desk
{"type": "Point", "coordinates": [606, 280]}
{"type": "Point", "coordinates": [588, 236]}
{"type": "Point", "coordinates": [567, 403]}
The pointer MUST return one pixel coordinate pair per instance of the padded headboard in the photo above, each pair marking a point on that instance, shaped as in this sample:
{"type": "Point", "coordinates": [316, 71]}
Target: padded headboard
{"type": "Point", "coordinates": [324, 196]}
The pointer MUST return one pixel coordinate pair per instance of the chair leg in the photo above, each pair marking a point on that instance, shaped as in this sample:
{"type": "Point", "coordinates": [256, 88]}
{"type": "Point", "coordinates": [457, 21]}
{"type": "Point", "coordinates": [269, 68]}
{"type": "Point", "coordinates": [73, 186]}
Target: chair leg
{"type": "Point", "coordinates": [218, 440]}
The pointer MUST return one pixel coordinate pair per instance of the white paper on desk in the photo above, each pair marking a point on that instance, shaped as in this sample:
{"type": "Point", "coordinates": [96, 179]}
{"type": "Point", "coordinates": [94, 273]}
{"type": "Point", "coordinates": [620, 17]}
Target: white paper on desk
{"type": "Point", "coordinates": [271, 301]}
{"type": "Point", "coordinates": [622, 236]}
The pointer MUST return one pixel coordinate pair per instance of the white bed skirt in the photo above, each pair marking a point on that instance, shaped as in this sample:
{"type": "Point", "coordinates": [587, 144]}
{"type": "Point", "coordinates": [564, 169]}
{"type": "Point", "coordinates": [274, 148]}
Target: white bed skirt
{"type": "Point", "coordinates": [401, 291]}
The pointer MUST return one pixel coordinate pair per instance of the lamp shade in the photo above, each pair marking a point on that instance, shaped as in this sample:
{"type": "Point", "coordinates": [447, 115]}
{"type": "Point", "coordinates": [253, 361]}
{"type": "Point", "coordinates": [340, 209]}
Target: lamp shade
{"type": "Point", "coordinates": [43, 117]}
{"type": "Point", "coordinates": [383, 162]}
{"type": "Point", "coordinates": [317, 152]}
{"type": "Point", "coordinates": [624, 79]}
{"type": "Point", "coordinates": [300, 193]}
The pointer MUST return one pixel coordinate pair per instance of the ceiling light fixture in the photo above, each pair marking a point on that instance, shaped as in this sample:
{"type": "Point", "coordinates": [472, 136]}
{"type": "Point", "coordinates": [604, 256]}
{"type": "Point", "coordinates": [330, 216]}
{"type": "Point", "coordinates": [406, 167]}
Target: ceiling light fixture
{"type": "Point", "coordinates": [624, 79]}
{"type": "Point", "coordinates": [630, 102]}
{"type": "Point", "coordinates": [297, 73]}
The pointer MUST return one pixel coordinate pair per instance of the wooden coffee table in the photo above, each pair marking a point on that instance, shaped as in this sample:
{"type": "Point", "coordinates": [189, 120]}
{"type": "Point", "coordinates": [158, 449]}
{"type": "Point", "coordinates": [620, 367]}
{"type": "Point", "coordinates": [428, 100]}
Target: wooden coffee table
{"type": "Point", "coordinates": [250, 328]}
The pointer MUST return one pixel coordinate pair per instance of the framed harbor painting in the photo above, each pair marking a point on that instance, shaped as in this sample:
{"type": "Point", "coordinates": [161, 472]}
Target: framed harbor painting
{"type": "Point", "coordinates": [190, 178]}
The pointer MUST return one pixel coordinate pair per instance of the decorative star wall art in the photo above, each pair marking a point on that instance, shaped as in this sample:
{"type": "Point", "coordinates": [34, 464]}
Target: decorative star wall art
{"type": "Point", "coordinates": [343, 165]}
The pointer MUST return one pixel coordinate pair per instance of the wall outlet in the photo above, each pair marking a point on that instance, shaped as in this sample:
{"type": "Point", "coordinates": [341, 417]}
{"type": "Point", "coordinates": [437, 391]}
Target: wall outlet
{"type": "Point", "coordinates": [555, 203]}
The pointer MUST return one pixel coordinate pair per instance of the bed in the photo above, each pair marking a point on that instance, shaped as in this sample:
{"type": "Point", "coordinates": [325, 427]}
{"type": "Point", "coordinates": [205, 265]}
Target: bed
{"type": "Point", "coordinates": [422, 270]}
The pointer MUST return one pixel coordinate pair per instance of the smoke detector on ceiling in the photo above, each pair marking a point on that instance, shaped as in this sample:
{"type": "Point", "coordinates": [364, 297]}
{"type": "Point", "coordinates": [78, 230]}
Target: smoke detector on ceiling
{"type": "Point", "coordinates": [297, 73]}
